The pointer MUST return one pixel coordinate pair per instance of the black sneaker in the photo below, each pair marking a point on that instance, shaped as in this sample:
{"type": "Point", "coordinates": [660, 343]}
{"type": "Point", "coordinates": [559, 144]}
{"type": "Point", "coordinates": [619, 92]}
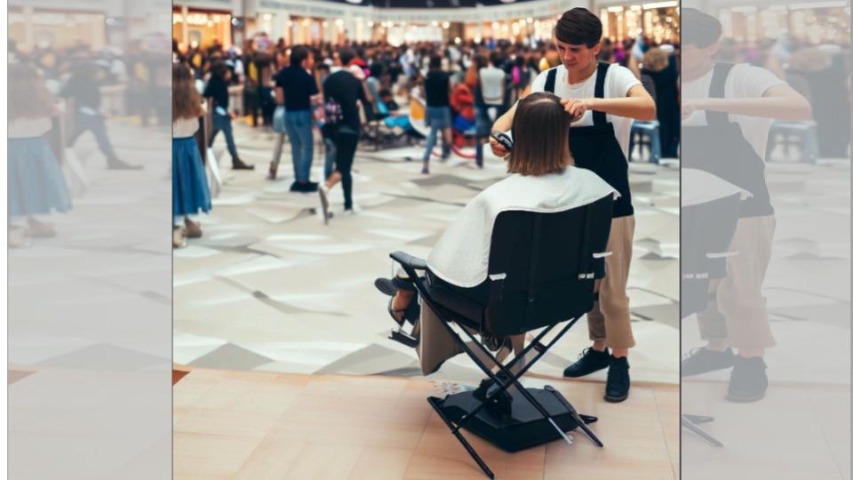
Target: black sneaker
{"type": "Point", "coordinates": [237, 164]}
{"type": "Point", "coordinates": [116, 164]}
{"type": "Point", "coordinates": [748, 382]}
{"type": "Point", "coordinates": [303, 187]}
{"type": "Point", "coordinates": [589, 361]}
{"type": "Point", "coordinates": [701, 360]}
{"type": "Point", "coordinates": [618, 380]}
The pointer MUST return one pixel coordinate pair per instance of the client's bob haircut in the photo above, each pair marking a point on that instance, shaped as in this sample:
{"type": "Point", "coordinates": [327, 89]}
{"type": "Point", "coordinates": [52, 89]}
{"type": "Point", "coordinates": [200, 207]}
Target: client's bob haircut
{"type": "Point", "coordinates": [540, 134]}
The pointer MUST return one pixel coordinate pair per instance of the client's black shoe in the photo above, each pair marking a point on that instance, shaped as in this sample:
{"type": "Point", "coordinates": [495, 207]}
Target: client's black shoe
{"type": "Point", "coordinates": [748, 382]}
{"type": "Point", "coordinates": [702, 360]}
{"type": "Point", "coordinates": [590, 361]}
{"type": "Point", "coordinates": [618, 380]}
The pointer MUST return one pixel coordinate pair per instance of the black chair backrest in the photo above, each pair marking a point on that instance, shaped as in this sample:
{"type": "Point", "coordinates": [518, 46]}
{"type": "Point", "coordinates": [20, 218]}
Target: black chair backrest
{"type": "Point", "coordinates": [706, 229]}
{"type": "Point", "coordinates": [547, 259]}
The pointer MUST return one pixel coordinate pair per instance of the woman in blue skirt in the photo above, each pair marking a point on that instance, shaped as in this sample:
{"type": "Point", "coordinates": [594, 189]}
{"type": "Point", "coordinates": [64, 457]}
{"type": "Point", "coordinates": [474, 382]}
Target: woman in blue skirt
{"type": "Point", "coordinates": [190, 192]}
{"type": "Point", "coordinates": [36, 183]}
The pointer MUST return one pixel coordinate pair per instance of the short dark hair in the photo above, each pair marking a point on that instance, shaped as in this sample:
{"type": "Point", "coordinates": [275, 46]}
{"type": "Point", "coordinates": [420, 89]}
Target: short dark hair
{"type": "Point", "coordinates": [495, 58]}
{"type": "Point", "coordinates": [435, 62]}
{"type": "Point", "coordinates": [579, 26]}
{"type": "Point", "coordinates": [297, 54]}
{"type": "Point", "coordinates": [699, 28]}
{"type": "Point", "coordinates": [540, 130]}
{"type": "Point", "coordinates": [347, 55]}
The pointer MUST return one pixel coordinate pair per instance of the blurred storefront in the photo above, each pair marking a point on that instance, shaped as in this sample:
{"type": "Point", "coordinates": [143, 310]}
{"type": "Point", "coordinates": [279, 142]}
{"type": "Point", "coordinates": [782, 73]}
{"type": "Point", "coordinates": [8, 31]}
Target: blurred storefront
{"type": "Point", "coordinates": [812, 23]}
{"type": "Point", "coordinates": [658, 21]}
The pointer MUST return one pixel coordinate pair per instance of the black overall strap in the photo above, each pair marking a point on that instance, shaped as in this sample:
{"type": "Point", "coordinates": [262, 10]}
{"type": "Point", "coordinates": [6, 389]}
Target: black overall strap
{"type": "Point", "coordinates": [551, 80]}
{"type": "Point", "coordinates": [718, 90]}
{"type": "Point", "coordinates": [600, 118]}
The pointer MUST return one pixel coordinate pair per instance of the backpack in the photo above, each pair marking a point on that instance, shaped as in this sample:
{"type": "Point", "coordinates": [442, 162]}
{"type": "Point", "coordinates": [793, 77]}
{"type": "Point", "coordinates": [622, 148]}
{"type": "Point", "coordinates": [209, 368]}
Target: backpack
{"type": "Point", "coordinates": [332, 112]}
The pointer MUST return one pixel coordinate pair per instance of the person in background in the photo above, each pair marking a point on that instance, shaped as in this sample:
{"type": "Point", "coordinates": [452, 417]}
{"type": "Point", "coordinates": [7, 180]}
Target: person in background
{"type": "Point", "coordinates": [342, 93]}
{"type": "Point", "coordinates": [438, 118]}
{"type": "Point", "coordinates": [217, 90]}
{"type": "Point", "coordinates": [190, 191]}
{"type": "Point", "coordinates": [35, 180]}
{"type": "Point", "coordinates": [493, 85]}
{"type": "Point", "coordinates": [294, 89]}
{"type": "Point", "coordinates": [83, 89]}
{"type": "Point", "coordinates": [664, 76]}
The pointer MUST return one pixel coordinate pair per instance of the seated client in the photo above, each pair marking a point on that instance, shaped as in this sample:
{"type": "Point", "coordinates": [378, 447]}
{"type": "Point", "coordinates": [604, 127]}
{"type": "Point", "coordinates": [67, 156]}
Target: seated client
{"type": "Point", "coordinates": [543, 179]}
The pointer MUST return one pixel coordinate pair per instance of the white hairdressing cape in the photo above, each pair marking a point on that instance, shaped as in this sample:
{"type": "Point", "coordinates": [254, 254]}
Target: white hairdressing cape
{"type": "Point", "coordinates": [461, 255]}
{"type": "Point", "coordinates": [699, 186]}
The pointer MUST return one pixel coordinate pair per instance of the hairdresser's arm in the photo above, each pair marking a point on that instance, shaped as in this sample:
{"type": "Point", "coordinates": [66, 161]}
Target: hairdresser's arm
{"type": "Point", "coordinates": [780, 102]}
{"type": "Point", "coordinates": [638, 105]}
{"type": "Point", "coordinates": [504, 122]}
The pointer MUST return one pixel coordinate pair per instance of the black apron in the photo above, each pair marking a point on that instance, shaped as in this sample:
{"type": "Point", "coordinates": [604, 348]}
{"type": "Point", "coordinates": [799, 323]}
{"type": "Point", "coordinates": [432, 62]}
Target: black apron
{"type": "Point", "coordinates": [721, 149]}
{"type": "Point", "coordinates": [596, 148]}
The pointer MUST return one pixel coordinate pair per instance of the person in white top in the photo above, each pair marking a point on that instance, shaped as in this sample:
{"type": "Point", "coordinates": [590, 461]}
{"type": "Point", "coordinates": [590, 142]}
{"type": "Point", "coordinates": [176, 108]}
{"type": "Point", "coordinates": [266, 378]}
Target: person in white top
{"type": "Point", "coordinates": [727, 111]}
{"type": "Point", "coordinates": [542, 179]}
{"type": "Point", "coordinates": [605, 99]}
{"type": "Point", "coordinates": [493, 83]}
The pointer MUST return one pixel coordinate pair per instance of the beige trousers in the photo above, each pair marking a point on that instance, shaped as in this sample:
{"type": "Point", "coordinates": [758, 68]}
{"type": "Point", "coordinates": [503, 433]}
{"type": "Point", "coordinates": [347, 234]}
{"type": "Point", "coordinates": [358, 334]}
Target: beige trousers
{"type": "Point", "coordinates": [610, 317]}
{"type": "Point", "coordinates": [738, 311]}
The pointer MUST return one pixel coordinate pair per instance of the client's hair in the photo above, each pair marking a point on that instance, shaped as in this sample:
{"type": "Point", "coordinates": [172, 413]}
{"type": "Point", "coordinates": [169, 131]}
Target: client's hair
{"type": "Point", "coordinates": [540, 131]}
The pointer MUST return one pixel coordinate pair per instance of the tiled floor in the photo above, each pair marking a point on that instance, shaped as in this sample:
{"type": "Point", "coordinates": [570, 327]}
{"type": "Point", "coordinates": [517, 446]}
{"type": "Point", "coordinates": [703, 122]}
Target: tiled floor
{"type": "Point", "coordinates": [270, 288]}
{"type": "Point", "coordinates": [258, 426]}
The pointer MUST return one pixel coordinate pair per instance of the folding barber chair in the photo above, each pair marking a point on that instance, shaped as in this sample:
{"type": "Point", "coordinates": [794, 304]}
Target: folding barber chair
{"type": "Point", "coordinates": [707, 230]}
{"type": "Point", "coordinates": [543, 269]}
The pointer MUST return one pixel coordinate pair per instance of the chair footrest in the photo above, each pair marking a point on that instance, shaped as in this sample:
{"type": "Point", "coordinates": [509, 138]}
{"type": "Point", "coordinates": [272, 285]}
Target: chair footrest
{"type": "Point", "coordinates": [526, 428]}
{"type": "Point", "coordinates": [404, 338]}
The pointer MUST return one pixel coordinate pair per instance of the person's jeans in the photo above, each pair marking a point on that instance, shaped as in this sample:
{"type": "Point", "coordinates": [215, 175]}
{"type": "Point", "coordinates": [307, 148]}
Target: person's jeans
{"type": "Point", "coordinates": [330, 158]}
{"type": "Point", "coordinates": [95, 124]}
{"type": "Point", "coordinates": [438, 120]}
{"type": "Point", "coordinates": [346, 142]}
{"type": "Point", "coordinates": [223, 123]}
{"type": "Point", "coordinates": [298, 126]}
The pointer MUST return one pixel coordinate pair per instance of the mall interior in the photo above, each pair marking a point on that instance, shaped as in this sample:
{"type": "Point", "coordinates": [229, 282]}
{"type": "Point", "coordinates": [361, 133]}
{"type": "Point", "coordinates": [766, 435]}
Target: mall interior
{"type": "Point", "coordinates": [286, 364]}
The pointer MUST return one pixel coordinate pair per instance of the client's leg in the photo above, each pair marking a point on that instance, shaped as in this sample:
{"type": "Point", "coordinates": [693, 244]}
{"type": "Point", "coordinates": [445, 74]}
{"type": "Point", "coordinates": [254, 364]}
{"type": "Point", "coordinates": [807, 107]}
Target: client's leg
{"type": "Point", "coordinates": [403, 304]}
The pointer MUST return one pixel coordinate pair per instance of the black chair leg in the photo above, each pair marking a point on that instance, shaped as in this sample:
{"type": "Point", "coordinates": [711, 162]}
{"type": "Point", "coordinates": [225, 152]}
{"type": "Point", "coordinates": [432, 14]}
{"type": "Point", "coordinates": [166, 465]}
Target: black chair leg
{"type": "Point", "coordinates": [691, 422]}
{"type": "Point", "coordinates": [456, 433]}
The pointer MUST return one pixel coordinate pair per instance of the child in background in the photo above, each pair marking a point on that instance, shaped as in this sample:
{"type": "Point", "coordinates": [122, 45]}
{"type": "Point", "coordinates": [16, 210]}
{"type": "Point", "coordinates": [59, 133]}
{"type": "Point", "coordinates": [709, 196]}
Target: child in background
{"type": "Point", "coordinates": [190, 192]}
{"type": "Point", "coordinates": [36, 183]}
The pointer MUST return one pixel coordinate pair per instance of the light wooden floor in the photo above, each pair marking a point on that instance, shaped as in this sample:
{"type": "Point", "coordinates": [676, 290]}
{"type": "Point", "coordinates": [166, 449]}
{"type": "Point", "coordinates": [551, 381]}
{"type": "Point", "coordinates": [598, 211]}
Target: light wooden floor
{"type": "Point", "coordinates": [249, 425]}
{"type": "Point", "coordinates": [797, 431]}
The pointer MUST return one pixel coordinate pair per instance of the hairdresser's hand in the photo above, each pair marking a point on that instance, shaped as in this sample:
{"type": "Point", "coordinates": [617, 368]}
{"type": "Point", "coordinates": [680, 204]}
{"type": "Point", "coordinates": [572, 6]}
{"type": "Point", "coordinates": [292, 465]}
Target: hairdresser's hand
{"type": "Point", "coordinates": [497, 148]}
{"type": "Point", "coordinates": [575, 107]}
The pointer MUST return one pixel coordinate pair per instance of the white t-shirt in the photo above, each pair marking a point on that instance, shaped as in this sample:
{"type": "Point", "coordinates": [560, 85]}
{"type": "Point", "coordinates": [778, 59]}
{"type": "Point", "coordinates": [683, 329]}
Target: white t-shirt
{"type": "Point", "coordinates": [491, 85]}
{"type": "Point", "coordinates": [29, 127]}
{"type": "Point", "coordinates": [744, 81]}
{"type": "Point", "coordinates": [618, 82]}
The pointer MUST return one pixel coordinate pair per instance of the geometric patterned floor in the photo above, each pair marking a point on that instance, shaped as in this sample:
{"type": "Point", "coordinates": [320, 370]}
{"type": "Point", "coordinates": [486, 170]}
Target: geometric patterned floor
{"type": "Point", "coordinates": [270, 288]}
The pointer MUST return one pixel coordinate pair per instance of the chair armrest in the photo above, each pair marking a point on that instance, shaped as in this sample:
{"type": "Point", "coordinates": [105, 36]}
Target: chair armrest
{"type": "Point", "coordinates": [409, 261]}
